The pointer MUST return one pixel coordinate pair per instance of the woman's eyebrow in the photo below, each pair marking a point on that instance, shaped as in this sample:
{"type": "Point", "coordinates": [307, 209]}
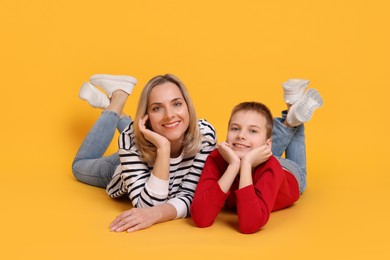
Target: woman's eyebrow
{"type": "Point", "coordinates": [176, 99]}
{"type": "Point", "coordinates": [160, 103]}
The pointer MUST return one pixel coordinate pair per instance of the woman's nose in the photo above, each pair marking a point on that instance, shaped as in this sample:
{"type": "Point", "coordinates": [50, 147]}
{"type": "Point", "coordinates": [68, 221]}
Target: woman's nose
{"type": "Point", "coordinates": [169, 113]}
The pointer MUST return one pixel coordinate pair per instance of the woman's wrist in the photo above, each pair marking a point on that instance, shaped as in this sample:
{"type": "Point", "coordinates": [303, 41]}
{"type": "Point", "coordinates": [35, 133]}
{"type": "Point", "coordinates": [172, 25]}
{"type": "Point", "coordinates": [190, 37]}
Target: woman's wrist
{"type": "Point", "coordinates": [164, 147]}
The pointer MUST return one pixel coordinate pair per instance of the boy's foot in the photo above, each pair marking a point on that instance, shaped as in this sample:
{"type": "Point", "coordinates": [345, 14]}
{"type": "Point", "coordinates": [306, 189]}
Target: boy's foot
{"type": "Point", "coordinates": [111, 83]}
{"type": "Point", "coordinates": [303, 109]}
{"type": "Point", "coordinates": [294, 89]}
{"type": "Point", "coordinates": [93, 96]}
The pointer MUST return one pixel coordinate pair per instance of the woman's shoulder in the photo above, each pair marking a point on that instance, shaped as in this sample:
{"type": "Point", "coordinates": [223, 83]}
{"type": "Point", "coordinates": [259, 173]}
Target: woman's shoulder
{"type": "Point", "coordinates": [126, 139]}
{"type": "Point", "coordinates": [207, 130]}
{"type": "Point", "coordinates": [205, 127]}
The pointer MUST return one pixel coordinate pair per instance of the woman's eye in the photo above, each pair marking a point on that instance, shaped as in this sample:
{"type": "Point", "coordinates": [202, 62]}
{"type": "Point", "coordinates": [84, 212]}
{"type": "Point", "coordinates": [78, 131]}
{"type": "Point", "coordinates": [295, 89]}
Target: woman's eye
{"type": "Point", "coordinates": [155, 109]}
{"type": "Point", "coordinates": [177, 104]}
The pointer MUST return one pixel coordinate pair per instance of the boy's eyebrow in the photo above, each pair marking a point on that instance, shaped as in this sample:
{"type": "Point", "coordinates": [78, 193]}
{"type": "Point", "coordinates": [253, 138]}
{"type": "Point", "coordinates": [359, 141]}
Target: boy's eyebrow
{"type": "Point", "coordinates": [233, 123]}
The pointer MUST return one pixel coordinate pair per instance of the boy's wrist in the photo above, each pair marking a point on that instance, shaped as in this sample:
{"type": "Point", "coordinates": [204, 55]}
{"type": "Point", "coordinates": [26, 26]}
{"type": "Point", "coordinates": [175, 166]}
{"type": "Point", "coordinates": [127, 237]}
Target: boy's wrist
{"type": "Point", "coordinates": [234, 166]}
{"type": "Point", "coordinates": [246, 163]}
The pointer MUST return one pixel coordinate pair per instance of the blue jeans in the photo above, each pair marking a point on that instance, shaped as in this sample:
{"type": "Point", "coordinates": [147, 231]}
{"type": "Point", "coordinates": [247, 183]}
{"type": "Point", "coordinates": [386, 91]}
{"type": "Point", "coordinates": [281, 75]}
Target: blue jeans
{"type": "Point", "coordinates": [89, 165]}
{"type": "Point", "coordinates": [292, 142]}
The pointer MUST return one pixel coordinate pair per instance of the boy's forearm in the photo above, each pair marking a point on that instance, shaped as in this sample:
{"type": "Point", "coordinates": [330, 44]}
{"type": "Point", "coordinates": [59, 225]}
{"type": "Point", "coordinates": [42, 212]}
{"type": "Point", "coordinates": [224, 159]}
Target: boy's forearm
{"type": "Point", "coordinates": [226, 180]}
{"type": "Point", "coordinates": [245, 175]}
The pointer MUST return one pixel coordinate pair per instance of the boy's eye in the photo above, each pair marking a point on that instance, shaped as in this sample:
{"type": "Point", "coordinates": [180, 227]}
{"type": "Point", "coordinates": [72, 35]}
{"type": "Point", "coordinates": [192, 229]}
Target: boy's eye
{"type": "Point", "coordinates": [253, 131]}
{"type": "Point", "coordinates": [234, 128]}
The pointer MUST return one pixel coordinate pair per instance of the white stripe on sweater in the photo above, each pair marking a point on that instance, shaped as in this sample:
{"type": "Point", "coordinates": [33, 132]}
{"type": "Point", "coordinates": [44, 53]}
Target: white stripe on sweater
{"type": "Point", "coordinates": [133, 177]}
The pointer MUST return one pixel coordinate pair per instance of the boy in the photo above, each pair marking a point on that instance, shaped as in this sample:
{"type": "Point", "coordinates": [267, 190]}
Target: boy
{"type": "Point", "coordinates": [245, 173]}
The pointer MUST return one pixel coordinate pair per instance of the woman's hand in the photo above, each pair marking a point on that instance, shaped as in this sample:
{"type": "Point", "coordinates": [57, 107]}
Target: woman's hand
{"type": "Point", "coordinates": [158, 140]}
{"type": "Point", "coordinates": [134, 219]}
{"type": "Point", "coordinates": [140, 218]}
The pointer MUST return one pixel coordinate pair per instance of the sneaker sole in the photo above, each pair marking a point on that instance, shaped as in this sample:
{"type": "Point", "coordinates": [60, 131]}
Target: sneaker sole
{"type": "Point", "coordinates": [310, 101]}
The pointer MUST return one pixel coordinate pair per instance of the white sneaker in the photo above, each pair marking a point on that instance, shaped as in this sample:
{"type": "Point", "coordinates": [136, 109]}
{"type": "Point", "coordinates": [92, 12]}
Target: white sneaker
{"type": "Point", "coordinates": [111, 83]}
{"type": "Point", "coordinates": [302, 111]}
{"type": "Point", "coordinates": [93, 96]}
{"type": "Point", "coordinates": [294, 89]}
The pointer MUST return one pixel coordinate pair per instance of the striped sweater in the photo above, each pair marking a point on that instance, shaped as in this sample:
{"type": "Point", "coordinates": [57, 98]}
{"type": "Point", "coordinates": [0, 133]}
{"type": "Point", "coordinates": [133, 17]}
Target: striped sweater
{"type": "Point", "coordinates": [134, 177]}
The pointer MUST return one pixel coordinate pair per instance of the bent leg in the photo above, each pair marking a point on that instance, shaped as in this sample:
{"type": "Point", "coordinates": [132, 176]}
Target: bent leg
{"type": "Point", "coordinates": [281, 135]}
{"type": "Point", "coordinates": [89, 165]}
{"type": "Point", "coordinates": [296, 170]}
{"type": "Point", "coordinates": [96, 172]}
{"type": "Point", "coordinates": [99, 137]}
{"type": "Point", "coordinates": [291, 141]}
{"type": "Point", "coordinates": [296, 152]}
{"type": "Point", "coordinates": [123, 123]}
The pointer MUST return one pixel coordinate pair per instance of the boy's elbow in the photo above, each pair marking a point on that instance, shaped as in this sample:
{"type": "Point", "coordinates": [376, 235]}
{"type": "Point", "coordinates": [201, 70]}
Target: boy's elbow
{"type": "Point", "coordinates": [249, 230]}
{"type": "Point", "coordinates": [249, 227]}
{"type": "Point", "coordinates": [201, 221]}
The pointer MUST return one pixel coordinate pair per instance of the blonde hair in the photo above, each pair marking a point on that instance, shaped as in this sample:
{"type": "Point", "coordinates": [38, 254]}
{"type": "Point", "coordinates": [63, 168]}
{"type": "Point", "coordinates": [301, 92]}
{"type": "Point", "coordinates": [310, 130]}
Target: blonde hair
{"type": "Point", "coordinates": [192, 137]}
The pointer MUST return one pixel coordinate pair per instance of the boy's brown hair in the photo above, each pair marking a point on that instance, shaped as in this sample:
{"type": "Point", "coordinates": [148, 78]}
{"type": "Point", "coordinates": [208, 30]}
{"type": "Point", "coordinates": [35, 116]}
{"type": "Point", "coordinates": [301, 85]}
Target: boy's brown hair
{"type": "Point", "coordinates": [259, 108]}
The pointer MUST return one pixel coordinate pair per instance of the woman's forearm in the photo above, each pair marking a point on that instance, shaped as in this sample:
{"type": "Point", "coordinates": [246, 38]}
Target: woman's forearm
{"type": "Point", "coordinates": [162, 163]}
{"type": "Point", "coordinates": [165, 212]}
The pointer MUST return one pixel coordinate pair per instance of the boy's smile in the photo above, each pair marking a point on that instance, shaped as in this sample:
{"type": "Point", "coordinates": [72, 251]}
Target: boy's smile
{"type": "Point", "coordinates": [247, 130]}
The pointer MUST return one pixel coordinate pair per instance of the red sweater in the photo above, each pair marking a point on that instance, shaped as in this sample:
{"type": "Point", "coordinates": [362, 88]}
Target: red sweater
{"type": "Point", "coordinates": [273, 188]}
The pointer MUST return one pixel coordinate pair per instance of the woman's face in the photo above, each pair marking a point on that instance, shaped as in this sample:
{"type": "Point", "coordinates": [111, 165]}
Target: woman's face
{"type": "Point", "coordinates": [168, 112]}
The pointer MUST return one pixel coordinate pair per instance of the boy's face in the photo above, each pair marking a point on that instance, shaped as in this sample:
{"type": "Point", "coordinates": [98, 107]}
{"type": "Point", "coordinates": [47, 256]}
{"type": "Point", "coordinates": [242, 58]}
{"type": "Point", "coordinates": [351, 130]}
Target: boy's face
{"type": "Point", "coordinates": [246, 131]}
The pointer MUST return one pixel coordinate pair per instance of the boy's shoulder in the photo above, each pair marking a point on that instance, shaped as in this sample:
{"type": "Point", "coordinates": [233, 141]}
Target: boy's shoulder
{"type": "Point", "coordinates": [272, 162]}
{"type": "Point", "coordinates": [217, 157]}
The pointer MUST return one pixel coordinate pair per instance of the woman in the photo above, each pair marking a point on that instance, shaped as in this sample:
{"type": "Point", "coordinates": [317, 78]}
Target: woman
{"type": "Point", "coordinates": [161, 154]}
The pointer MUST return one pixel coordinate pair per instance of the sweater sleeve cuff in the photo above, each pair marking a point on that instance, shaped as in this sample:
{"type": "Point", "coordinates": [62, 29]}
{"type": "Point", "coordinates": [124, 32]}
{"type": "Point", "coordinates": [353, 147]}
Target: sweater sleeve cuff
{"type": "Point", "coordinates": [157, 186]}
{"type": "Point", "coordinates": [180, 206]}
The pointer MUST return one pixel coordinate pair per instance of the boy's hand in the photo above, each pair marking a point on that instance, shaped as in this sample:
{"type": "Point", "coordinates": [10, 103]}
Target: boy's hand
{"type": "Point", "coordinates": [158, 140]}
{"type": "Point", "coordinates": [228, 154]}
{"type": "Point", "coordinates": [257, 155]}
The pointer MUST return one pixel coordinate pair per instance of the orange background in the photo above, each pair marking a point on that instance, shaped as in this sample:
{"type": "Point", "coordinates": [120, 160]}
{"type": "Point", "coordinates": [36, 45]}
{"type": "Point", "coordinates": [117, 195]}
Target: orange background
{"type": "Point", "coordinates": [226, 52]}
